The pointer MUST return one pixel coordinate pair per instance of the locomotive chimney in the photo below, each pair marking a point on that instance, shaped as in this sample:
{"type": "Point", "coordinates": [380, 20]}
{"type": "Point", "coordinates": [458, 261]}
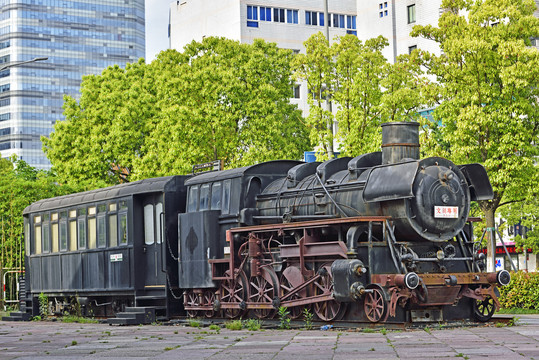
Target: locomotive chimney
{"type": "Point", "coordinates": [400, 140]}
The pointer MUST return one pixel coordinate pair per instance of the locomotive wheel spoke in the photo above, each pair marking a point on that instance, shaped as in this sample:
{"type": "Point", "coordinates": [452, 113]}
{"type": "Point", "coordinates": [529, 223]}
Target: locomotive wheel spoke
{"type": "Point", "coordinates": [263, 291]}
{"type": "Point", "coordinates": [286, 287]}
{"type": "Point", "coordinates": [484, 309]}
{"type": "Point", "coordinates": [375, 306]}
{"type": "Point", "coordinates": [327, 310]}
{"type": "Point", "coordinates": [192, 300]}
{"type": "Point", "coordinates": [208, 298]}
{"type": "Point", "coordinates": [233, 291]}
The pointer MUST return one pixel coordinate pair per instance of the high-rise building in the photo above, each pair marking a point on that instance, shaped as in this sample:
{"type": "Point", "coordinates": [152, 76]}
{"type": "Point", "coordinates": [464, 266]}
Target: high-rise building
{"type": "Point", "coordinates": [79, 38]}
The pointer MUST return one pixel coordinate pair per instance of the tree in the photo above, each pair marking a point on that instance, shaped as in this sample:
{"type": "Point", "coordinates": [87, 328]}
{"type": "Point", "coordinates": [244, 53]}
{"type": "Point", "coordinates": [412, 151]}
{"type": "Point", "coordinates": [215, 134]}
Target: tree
{"type": "Point", "coordinates": [487, 81]}
{"type": "Point", "coordinates": [20, 185]}
{"type": "Point", "coordinates": [317, 67]}
{"type": "Point", "coordinates": [216, 100]}
{"type": "Point", "coordinates": [364, 87]}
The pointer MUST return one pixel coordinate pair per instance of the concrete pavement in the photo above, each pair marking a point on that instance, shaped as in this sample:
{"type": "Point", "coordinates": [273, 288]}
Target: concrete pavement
{"type": "Point", "coordinates": [56, 340]}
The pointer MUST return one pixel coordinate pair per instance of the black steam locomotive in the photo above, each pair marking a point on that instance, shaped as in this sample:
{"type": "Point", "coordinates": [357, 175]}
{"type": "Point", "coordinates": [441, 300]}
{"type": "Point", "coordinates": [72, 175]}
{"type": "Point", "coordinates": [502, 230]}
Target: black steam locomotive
{"type": "Point", "coordinates": [380, 237]}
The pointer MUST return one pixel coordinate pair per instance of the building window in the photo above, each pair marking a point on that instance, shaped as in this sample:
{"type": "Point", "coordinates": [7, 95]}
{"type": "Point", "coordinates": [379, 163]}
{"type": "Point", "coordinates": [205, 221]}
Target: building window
{"type": "Point", "coordinates": [385, 12]}
{"type": "Point", "coordinates": [411, 48]}
{"type": "Point", "coordinates": [311, 17]}
{"type": "Point", "coordinates": [296, 91]}
{"type": "Point", "coordinates": [265, 13]}
{"type": "Point", "coordinates": [292, 16]}
{"type": "Point", "coordinates": [252, 16]}
{"type": "Point", "coordinates": [385, 4]}
{"type": "Point", "coordinates": [278, 15]}
{"type": "Point", "coordinates": [381, 14]}
{"type": "Point", "coordinates": [411, 14]}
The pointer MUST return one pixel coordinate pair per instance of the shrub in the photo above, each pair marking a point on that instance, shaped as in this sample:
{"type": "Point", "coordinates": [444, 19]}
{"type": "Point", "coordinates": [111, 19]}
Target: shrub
{"type": "Point", "coordinates": [522, 292]}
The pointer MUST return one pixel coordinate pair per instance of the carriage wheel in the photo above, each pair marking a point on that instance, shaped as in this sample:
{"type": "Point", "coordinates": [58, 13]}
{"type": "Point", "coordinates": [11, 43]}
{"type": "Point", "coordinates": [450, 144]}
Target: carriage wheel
{"type": "Point", "coordinates": [327, 310]}
{"type": "Point", "coordinates": [375, 305]}
{"type": "Point", "coordinates": [263, 289]}
{"type": "Point", "coordinates": [191, 299]}
{"type": "Point", "coordinates": [483, 309]}
{"type": "Point", "coordinates": [290, 279]}
{"type": "Point", "coordinates": [208, 298]}
{"type": "Point", "coordinates": [233, 291]}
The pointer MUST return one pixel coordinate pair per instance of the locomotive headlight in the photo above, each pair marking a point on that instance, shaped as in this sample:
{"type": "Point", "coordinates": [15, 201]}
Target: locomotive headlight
{"type": "Point", "coordinates": [503, 277]}
{"type": "Point", "coordinates": [411, 280]}
{"type": "Point", "coordinates": [440, 255]}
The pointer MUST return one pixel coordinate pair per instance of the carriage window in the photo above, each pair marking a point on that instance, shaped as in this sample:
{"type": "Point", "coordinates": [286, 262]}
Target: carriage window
{"type": "Point", "coordinates": [226, 197]}
{"type": "Point", "coordinates": [63, 235]}
{"type": "Point", "coordinates": [204, 197]}
{"type": "Point", "coordinates": [160, 221]}
{"type": "Point", "coordinates": [54, 232]}
{"type": "Point", "coordinates": [92, 234]}
{"type": "Point", "coordinates": [37, 238]}
{"type": "Point", "coordinates": [26, 237]}
{"type": "Point", "coordinates": [216, 196]}
{"type": "Point", "coordinates": [149, 237]}
{"type": "Point", "coordinates": [73, 235]}
{"type": "Point", "coordinates": [123, 229]}
{"type": "Point", "coordinates": [123, 204]}
{"type": "Point", "coordinates": [82, 233]}
{"type": "Point", "coordinates": [91, 210]}
{"type": "Point", "coordinates": [112, 207]}
{"type": "Point", "coordinates": [101, 231]}
{"type": "Point", "coordinates": [113, 230]}
{"type": "Point", "coordinates": [46, 239]}
{"type": "Point", "coordinates": [102, 208]}
{"type": "Point", "coordinates": [54, 236]}
{"type": "Point", "coordinates": [72, 213]}
{"type": "Point", "coordinates": [193, 199]}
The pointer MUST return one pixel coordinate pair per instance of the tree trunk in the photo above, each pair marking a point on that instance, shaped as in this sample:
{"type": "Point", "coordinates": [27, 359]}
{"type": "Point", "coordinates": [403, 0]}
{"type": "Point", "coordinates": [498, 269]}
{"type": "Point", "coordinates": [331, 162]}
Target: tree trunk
{"type": "Point", "coordinates": [489, 209]}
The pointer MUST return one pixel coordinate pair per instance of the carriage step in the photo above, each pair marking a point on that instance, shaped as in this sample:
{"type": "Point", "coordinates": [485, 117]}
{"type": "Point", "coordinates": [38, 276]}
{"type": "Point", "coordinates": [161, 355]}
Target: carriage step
{"type": "Point", "coordinates": [134, 316]}
{"type": "Point", "coordinates": [17, 316]}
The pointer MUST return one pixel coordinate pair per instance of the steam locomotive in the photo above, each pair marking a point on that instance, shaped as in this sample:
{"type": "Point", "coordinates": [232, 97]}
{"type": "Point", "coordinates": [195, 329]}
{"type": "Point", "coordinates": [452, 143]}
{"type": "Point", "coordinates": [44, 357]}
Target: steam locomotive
{"type": "Point", "coordinates": [382, 237]}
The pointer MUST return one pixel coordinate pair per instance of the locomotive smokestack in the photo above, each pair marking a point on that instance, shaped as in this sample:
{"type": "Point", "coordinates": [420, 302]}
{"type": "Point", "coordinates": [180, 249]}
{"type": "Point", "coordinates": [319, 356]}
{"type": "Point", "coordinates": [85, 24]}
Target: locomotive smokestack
{"type": "Point", "coordinates": [400, 140]}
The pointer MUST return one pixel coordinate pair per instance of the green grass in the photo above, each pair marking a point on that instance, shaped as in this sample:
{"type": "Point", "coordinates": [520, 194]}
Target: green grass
{"type": "Point", "coordinates": [78, 319]}
{"type": "Point", "coordinates": [518, 311]}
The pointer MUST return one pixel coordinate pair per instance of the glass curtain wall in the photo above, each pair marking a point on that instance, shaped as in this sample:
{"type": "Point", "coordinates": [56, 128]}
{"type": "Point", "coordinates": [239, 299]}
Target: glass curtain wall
{"type": "Point", "coordinates": [79, 38]}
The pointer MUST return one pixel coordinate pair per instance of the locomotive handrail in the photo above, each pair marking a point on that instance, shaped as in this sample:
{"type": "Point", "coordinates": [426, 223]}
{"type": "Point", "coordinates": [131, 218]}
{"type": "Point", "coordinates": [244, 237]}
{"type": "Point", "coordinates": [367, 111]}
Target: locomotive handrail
{"type": "Point", "coordinates": [391, 242]}
{"type": "Point", "coordinates": [329, 196]}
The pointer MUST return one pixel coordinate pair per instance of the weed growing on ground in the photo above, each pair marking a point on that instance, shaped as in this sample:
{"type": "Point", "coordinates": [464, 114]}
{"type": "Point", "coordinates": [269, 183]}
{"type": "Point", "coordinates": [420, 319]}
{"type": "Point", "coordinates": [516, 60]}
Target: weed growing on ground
{"type": "Point", "coordinates": [308, 318]}
{"type": "Point", "coordinates": [284, 320]}
{"type": "Point", "coordinates": [234, 325]}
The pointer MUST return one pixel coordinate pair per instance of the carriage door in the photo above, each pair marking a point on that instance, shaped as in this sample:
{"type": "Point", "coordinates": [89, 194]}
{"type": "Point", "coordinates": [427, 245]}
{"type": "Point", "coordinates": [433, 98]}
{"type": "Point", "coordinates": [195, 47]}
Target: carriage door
{"type": "Point", "coordinates": [153, 239]}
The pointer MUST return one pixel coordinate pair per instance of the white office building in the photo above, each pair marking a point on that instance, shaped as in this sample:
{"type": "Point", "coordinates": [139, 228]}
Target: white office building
{"type": "Point", "coordinates": [284, 22]}
{"type": "Point", "coordinates": [394, 19]}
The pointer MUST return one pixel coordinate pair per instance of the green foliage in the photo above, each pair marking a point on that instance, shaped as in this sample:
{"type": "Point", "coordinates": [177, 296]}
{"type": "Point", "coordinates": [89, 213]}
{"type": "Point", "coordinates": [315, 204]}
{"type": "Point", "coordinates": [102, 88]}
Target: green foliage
{"type": "Point", "coordinates": [308, 319]}
{"type": "Point", "coordinates": [522, 292]}
{"type": "Point", "coordinates": [79, 320]}
{"type": "Point", "coordinates": [216, 100]}
{"type": "Point", "coordinates": [234, 325]}
{"type": "Point", "coordinates": [21, 185]}
{"type": "Point", "coordinates": [252, 324]}
{"type": "Point", "coordinates": [194, 323]}
{"type": "Point", "coordinates": [43, 305]}
{"type": "Point", "coordinates": [364, 88]}
{"type": "Point", "coordinates": [487, 83]}
{"type": "Point", "coordinates": [215, 327]}
{"type": "Point", "coordinates": [284, 319]}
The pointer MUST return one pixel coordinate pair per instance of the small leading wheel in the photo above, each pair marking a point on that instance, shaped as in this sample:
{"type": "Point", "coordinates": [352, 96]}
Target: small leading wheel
{"type": "Point", "coordinates": [208, 298]}
{"type": "Point", "coordinates": [233, 291]}
{"type": "Point", "coordinates": [328, 310]}
{"type": "Point", "coordinates": [191, 299]}
{"type": "Point", "coordinates": [375, 305]}
{"type": "Point", "coordinates": [263, 289]}
{"type": "Point", "coordinates": [483, 309]}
